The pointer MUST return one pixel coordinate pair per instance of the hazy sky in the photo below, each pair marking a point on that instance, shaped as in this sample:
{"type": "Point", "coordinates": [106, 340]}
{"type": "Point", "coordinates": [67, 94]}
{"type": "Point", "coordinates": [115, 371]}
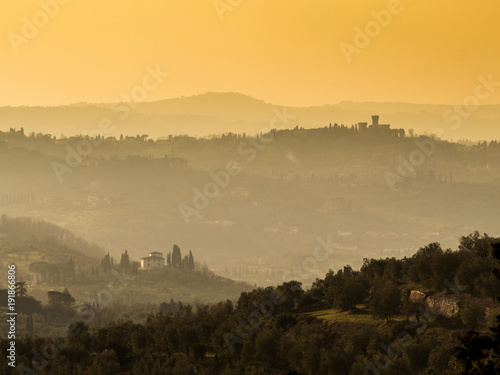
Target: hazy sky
{"type": "Point", "coordinates": [282, 51]}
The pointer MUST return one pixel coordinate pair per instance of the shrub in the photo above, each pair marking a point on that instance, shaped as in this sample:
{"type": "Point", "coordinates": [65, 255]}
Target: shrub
{"type": "Point", "coordinates": [473, 313]}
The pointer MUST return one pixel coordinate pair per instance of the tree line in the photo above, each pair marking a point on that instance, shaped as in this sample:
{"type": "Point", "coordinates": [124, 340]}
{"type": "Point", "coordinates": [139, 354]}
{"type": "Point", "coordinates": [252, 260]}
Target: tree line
{"type": "Point", "coordinates": [269, 330]}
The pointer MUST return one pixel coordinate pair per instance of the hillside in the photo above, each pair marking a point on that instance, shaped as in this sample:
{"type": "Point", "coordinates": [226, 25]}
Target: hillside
{"type": "Point", "coordinates": [217, 113]}
{"type": "Point", "coordinates": [294, 186]}
{"type": "Point", "coordinates": [391, 316]}
{"type": "Point", "coordinates": [48, 257]}
{"type": "Point", "coordinates": [27, 241]}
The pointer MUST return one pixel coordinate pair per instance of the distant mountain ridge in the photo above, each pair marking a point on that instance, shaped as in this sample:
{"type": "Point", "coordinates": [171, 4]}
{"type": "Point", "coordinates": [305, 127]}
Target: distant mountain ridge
{"type": "Point", "coordinates": [215, 113]}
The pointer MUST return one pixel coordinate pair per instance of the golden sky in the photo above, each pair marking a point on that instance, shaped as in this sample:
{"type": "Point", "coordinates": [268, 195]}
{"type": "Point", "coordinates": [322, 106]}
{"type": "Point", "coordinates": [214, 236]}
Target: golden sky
{"type": "Point", "coordinates": [282, 51]}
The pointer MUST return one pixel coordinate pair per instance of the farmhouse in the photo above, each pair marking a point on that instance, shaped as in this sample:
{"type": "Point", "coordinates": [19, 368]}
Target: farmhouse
{"type": "Point", "coordinates": [154, 260]}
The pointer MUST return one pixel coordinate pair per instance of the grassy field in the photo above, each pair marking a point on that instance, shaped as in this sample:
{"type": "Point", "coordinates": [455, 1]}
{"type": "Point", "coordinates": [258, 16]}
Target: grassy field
{"type": "Point", "coordinates": [360, 315]}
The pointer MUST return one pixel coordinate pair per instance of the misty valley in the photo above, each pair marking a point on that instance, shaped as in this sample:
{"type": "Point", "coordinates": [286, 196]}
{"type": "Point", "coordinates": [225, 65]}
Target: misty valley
{"type": "Point", "coordinates": [252, 207]}
{"type": "Point", "coordinates": [229, 187]}
{"type": "Point", "coordinates": [232, 253]}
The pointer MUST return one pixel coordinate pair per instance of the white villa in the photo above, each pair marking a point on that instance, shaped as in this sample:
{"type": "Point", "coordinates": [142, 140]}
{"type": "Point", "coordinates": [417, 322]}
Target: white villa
{"type": "Point", "coordinates": [154, 260]}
